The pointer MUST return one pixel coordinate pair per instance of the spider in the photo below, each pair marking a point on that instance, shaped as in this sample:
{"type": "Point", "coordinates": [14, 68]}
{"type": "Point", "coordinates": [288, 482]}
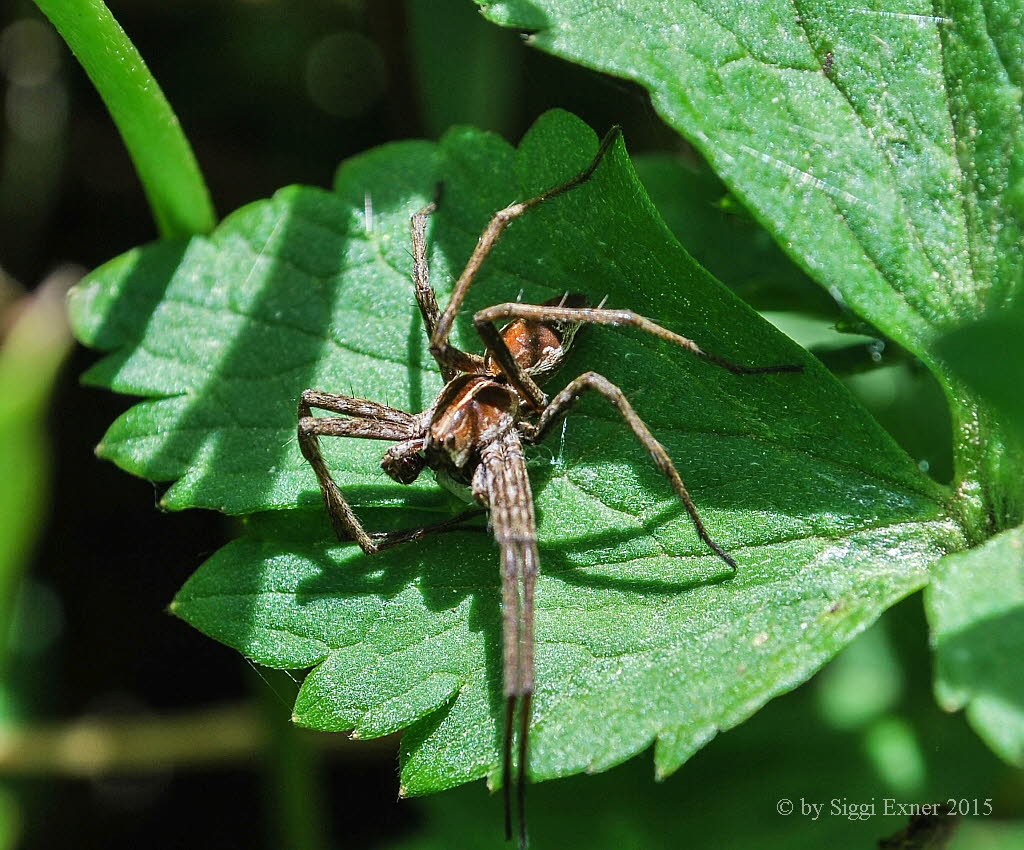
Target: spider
{"type": "Point", "coordinates": [474, 432]}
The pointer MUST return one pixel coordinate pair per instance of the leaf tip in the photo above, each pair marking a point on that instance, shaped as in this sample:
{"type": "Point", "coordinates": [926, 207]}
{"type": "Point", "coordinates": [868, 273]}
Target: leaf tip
{"type": "Point", "coordinates": [300, 719]}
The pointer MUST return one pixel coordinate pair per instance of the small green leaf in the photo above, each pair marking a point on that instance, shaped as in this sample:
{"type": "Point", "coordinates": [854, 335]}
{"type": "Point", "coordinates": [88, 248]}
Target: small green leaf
{"type": "Point", "coordinates": [830, 521]}
{"type": "Point", "coordinates": [976, 608]}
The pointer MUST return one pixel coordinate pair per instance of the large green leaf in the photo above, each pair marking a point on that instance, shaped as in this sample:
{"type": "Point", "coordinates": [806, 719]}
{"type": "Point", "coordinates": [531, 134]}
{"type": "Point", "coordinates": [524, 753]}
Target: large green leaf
{"type": "Point", "coordinates": [641, 638]}
{"type": "Point", "coordinates": [976, 608]}
{"type": "Point", "coordinates": [880, 144]}
{"type": "Point", "coordinates": [311, 289]}
{"type": "Point", "coordinates": [834, 125]}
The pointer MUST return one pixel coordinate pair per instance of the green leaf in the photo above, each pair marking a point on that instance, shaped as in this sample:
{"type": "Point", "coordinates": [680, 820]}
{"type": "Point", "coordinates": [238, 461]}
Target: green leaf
{"type": "Point", "coordinates": [762, 763]}
{"type": "Point", "coordinates": [976, 608]}
{"type": "Point", "coordinates": [634, 645]}
{"type": "Point", "coordinates": [834, 127]}
{"type": "Point", "coordinates": [830, 521]}
{"type": "Point", "coordinates": [159, 150]}
{"type": "Point", "coordinates": [729, 244]}
{"type": "Point", "coordinates": [881, 146]}
{"type": "Point", "coordinates": [311, 289]}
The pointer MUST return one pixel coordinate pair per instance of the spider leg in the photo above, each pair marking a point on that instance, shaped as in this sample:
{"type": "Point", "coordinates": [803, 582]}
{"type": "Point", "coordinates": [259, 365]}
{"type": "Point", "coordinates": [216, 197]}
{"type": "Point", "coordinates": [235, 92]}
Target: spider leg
{"type": "Point", "coordinates": [439, 345]}
{"type": "Point", "coordinates": [503, 484]}
{"type": "Point", "coordinates": [376, 422]}
{"type": "Point", "coordinates": [450, 360]}
{"type": "Point", "coordinates": [387, 539]}
{"type": "Point", "coordinates": [527, 387]}
{"type": "Point", "coordinates": [360, 408]}
{"type": "Point", "coordinates": [562, 403]}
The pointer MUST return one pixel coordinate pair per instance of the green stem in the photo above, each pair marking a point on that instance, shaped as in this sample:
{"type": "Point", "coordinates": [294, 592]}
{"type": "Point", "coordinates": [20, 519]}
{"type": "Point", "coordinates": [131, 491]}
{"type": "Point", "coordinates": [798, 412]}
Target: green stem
{"type": "Point", "coordinates": [989, 484]}
{"type": "Point", "coordinates": [162, 155]}
{"type": "Point", "coordinates": [198, 739]}
{"type": "Point", "coordinates": [292, 769]}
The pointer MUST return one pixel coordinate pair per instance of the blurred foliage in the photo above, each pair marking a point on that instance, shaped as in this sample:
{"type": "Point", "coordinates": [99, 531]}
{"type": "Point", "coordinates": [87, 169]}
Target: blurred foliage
{"type": "Point", "coordinates": [976, 608]}
{"type": "Point", "coordinates": [988, 355]}
{"type": "Point", "coordinates": [34, 340]}
{"type": "Point", "coordinates": [33, 346]}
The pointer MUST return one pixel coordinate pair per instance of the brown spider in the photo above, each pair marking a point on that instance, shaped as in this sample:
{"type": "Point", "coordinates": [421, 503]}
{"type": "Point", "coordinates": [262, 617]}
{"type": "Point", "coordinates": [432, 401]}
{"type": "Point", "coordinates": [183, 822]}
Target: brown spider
{"type": "Point", "coordinates": [473, 435]}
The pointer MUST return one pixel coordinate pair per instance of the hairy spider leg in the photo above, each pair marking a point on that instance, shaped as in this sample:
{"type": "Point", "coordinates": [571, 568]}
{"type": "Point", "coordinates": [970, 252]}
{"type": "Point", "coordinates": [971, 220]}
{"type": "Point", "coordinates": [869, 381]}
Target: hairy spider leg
{"type": "Point", "coordinates": [372, 421]}
{"type": "Point", "coordinates": [450, 360]}
{"type": "Point", "coordinates": [498, 349]}
{"type": "Point", "coordinates": [503, 481]}
{"type": "Point", "coordinates": [439, 344]}
{"type": "Point", "coordinates": [550, 412]}
{"type": "Point", "coordinates": [564, 401]}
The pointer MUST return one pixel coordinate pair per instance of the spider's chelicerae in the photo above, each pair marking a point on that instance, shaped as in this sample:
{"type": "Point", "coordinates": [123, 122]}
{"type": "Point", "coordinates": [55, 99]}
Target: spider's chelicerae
{"type": "Point", "coordinates": [474, 432]}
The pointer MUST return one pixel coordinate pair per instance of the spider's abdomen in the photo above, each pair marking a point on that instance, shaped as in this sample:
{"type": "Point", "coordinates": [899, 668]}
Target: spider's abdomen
{"type": "Point", "coordinates": [540, 347]}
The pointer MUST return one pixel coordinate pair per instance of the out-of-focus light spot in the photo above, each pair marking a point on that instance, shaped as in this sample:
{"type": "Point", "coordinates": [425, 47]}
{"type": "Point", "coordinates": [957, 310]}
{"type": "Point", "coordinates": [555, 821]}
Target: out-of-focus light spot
{"type": "Point", "coordinates": [29, 52]}
{"type": "Point", "coordinates": [879, 388]}
{"type": "Point", "coordinates": [893, 748]}
{"type": "Point", "coordinates": [35, 102]}
{"type": "Point", "coordinates": [38, 112]}
{"type": "Point", "coordinates": [345, 73]}
{"type": "Point", "coordinates": [862, 684]}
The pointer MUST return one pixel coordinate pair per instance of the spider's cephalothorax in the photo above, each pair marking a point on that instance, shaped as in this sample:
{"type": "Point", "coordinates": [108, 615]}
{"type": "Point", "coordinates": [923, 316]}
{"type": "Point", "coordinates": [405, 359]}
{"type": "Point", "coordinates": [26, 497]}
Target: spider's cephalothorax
{"type": "Point", "coordinates": [477, 408]}
{"type": "Point", "coordinates": [472, 437]}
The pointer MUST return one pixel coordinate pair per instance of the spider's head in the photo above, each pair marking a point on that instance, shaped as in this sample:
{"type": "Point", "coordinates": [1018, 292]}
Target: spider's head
{"type": "Point", "coordinates": [541, 346]}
